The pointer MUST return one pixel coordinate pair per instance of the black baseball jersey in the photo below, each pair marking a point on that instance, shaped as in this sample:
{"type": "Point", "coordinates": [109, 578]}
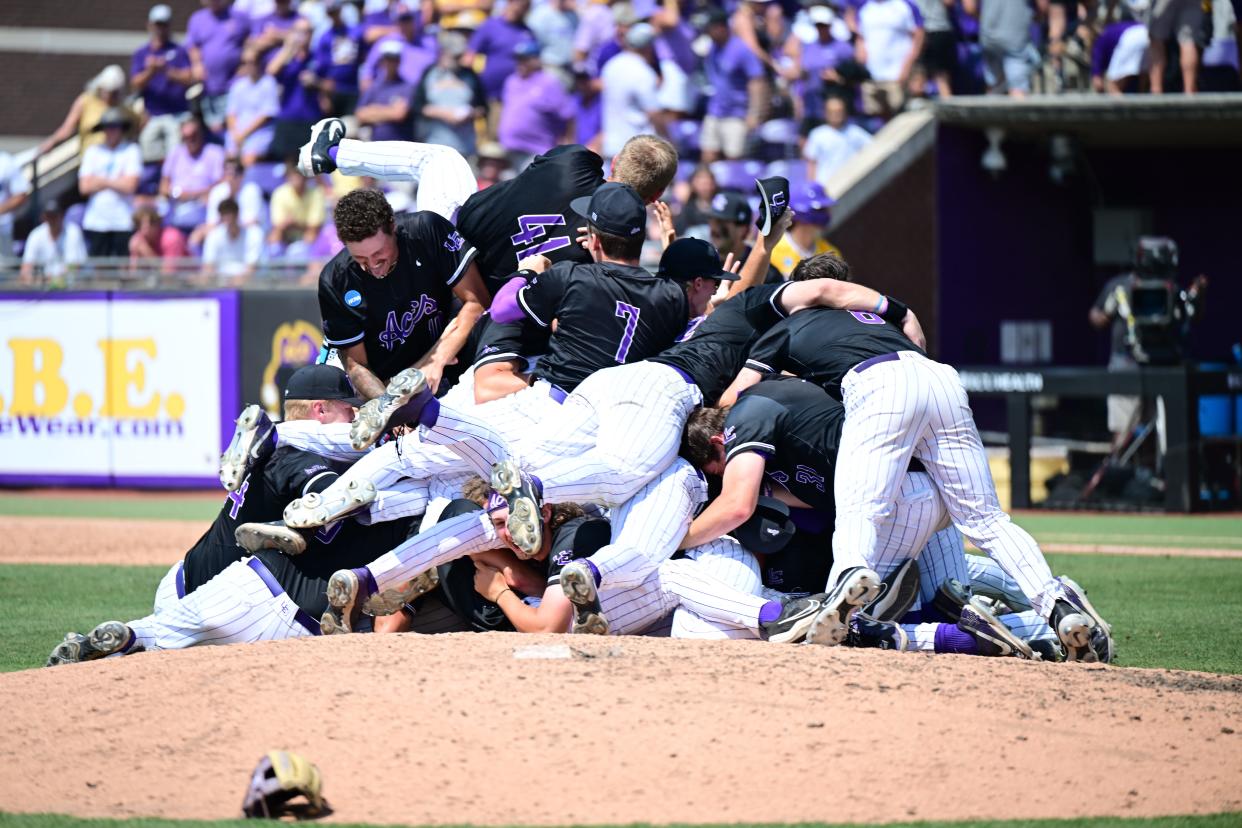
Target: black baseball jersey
{"type": "Point", "coordinates": [821, 344]}
{"type": "Point", "coordinates": [400, 316]}
{"type": "Point", "coordinates": [289, 473]}
{"type": "Point", "coordinates": [519, 341]}
{"type": "Point", "coordinates": [716, 350]}
{"type": "Point", "coordinates": [573, 540]}
{"type": "Point", "coordinates": [530, 214]}
{"type": "Point", "coordinates": [606, 314]}
{"type": "Point", "coordinates": [345, 544]}
{"type": "Point", "coordinates": [797, 429]}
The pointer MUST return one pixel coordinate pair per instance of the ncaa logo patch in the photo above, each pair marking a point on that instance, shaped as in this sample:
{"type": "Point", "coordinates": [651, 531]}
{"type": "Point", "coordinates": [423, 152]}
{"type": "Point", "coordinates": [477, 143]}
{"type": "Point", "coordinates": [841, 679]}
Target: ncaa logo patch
{"type": "Point", "coordinates": [353, 298]}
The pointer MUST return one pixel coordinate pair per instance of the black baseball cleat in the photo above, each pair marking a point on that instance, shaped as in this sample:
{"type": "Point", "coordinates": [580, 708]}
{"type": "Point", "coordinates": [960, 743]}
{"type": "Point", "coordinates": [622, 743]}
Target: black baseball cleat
{"type": "Point", "coordinates": [346, 591]}
{"type": "Point", "coordinates": [578, 584]}
{"type": "Point", "coordinates": [1075, 629]}
{"type": "Point", "coordinates": [991, 636]}
{"type": "Point", "coordinates": [275, 535]}
{"type": "Point", "coordinates": [866, 631]}
{"type": "Point", "coordinates": [402, 402]}
{"type": "Point", "coordinates": [107, 638]}
{"type": "Point", "coordinates": [898, 591]}
{"type": "Point", "coordinates": [855, 588]}
{"type": "Point", "coordinates": [313, 157]}
{"type": "Point", "coordinates": [254, 440]}
{"type": "Point", "coordinates": [796, 618]}
{"type": "Point", "coordinates": [525, 501]}
{"type": "Point", "coordinates": [950, 597]}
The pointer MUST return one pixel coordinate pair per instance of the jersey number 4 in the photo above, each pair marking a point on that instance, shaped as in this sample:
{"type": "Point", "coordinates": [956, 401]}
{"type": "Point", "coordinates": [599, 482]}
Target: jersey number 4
{"type": "Point", "coordinates": [630, 314]}
{"type": "Point", "coordinates": [534, 227]}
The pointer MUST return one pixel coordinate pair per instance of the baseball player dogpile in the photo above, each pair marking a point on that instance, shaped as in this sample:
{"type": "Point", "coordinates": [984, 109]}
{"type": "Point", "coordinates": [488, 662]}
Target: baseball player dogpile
{"type": "Point", "coordinates": [522, 429]}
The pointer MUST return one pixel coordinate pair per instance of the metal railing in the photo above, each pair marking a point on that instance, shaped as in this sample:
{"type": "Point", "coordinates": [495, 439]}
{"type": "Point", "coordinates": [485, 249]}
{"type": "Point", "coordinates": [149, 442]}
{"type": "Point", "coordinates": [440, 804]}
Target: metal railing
{"type": "Point", "coordinates": [123, 273]}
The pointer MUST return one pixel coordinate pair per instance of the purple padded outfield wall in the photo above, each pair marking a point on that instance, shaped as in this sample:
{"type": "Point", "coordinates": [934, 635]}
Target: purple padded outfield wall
{"type": "Point", "coordinates": [1019, 247]}
{"type": "Point", "coordinates": [230, 384]}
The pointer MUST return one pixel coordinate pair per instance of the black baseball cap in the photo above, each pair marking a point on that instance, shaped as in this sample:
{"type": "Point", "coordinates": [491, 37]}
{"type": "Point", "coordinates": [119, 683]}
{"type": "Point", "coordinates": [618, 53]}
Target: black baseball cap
{"type": "Point", "coordinates": [321, 382]}
{"type": "Point", "coordinates": [688, 258]}
{"type": "Point", "coordinates": [730, 205]}
{"type": "Point", "coordinates": [615, 208]}
{"type": "Point", "coordinates": [768, 530]}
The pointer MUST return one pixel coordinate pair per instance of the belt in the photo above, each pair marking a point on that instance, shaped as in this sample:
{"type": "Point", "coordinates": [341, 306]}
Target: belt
{"type": "Point", "coordinates": [269, 580]}
{"type": "Point", "coordinates": [180, 580]}
{"type": "Point", "coordinates": [554, 392]}
{"type": "Point", "coordinates": [689, 379]}
{"type": "Point", "coordinates": [875, 360]}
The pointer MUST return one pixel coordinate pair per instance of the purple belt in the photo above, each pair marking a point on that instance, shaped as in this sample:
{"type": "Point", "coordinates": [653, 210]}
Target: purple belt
{"type": "Point", "coordinates": [269, 580]}
{"type": "Point", "coordinates": [875, 360]}
{"type": "Point", "coordinates": [180, 580]}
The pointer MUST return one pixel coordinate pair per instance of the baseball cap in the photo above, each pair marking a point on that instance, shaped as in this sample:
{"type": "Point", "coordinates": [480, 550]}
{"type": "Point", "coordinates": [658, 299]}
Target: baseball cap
{"type": "Point", "coordinates": [321, 382]}
{"type": "Point", "coordinates": [688, 258]}
{"type": "Point", "coordinates": [526, 49]}
{"type": "Point", "coordinates": [113, 116]}
{"type": "Point", "coordinates": [640, 36]}
{"type": "Point", "coordinates": [161, 13]}
{"type": "Point", "coordinates": [810, 202]}
{"type": "Point", "coordinates": [716, 15]}
{"type": "Point", "coordinates": [773, 201]}
{"type": "Point", "coordinates": [391, 48]}
{"type": "Point", "coordinates": [730, 205]}
{"type": "Point", "coordinates": [821, 15]}
{"type": "Point", "coordinates": [615, 208]}
{"type": "Point", "coordinates": [768, 529]}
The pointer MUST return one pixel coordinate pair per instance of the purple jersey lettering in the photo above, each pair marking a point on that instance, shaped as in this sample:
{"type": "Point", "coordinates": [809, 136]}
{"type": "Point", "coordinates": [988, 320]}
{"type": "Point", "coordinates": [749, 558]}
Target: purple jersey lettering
{"type": "Point", "coordinates": [630, 314]}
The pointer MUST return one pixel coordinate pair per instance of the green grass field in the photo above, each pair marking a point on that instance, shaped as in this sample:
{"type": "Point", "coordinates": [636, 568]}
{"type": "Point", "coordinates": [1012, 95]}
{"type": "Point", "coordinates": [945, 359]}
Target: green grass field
{"type": "Point", "coordinates": [1167, 611]}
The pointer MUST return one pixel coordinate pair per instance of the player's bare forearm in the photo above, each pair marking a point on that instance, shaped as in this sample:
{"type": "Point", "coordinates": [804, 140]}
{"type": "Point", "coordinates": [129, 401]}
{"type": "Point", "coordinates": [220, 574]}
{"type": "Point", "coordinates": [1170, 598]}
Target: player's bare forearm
{"type": "Point", "coordinates": [744, 379]}
{"type": "Point", "coordinates": [444, 352]}
{"type": "Point", "coordinates": [360, 374]}
{"type": "Point", "coordinates": [739, 495]}
{"type": "Point", "coordinates": [760, 258]}
{"type": "Point", "coordinates": [496, 380]}
{"type": "Point", "coordinates": [829, 293]}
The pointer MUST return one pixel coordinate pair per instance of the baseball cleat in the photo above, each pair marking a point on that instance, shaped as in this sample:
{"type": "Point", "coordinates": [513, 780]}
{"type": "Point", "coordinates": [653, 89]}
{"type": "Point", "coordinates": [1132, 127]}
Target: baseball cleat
{"type": "Point", "coordinates": [898, 591]}
{"type": "Point", "coordinates": [254, 440]}
{"type": "Point", "coordinates": [388, 601]}
{"type": "Point", "coordinates": [313, 157]}
{"type": "Point", "coordinates": [520, 491]}
{"type": "Point", "coordinates": [333, 503]}
{"type": "Point", "coordinates": [275, 535]}
{"type": "Point", "coordinates": [1102, 635]}
{"type": "Point", "coordinates": [795, 619]}
{"type": "Point", "coordinates": [1075, 629]}
{"type": "Point", "coordinates": [950, 597]}
{"type": "Point", "coordinates": [856, 587]}
{"type": "Point", "coordinates": [578, 584]}
{"type": "Point", "coordinates": [344, 592]}
{"type": "Point", "coordinates": [107, 638]}
{"type": "Point", "coordinates": [866, 631]}
{"type": "Point", "coordinates": [992, 637]}
{"type": "Point", "coordinates": [401, 403]}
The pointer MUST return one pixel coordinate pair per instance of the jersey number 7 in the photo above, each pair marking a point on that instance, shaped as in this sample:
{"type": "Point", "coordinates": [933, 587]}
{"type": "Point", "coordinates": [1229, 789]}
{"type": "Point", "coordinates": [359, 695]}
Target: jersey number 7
{"type": "Point", "coordinates": [533, 227]}
{"type": "Point", "coordinates": [630, 314]}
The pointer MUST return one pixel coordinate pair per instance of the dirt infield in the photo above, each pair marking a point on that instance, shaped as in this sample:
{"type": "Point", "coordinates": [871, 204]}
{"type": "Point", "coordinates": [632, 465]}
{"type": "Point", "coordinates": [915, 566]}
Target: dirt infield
{"type": "Point", "coordinates": [125, 542]}
{"type": "Point", "coordinates": [455, 729]}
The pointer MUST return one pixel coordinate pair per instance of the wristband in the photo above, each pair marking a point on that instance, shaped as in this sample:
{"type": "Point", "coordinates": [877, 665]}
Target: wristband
{"type": "Point", "coordinates": [501, 595]}
{"type": "Point", "coordinates": [896, 311]}
{"type": "Point", "coordinates": [881, 305]}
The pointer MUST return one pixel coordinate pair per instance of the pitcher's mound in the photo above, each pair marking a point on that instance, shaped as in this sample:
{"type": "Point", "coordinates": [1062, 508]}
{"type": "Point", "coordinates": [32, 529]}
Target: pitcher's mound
{"type": "Point", "coordinates": [458, 729]}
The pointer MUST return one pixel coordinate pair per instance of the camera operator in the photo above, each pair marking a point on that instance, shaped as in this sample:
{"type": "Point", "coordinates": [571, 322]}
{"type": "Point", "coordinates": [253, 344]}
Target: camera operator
{"type": "Point", "coordinates": [1149, 315]}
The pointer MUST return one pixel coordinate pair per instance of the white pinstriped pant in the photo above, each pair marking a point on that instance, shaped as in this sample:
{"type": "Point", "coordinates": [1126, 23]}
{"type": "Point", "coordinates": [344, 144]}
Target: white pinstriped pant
{"type": "Point", "coordinates": [447, 541]}
{"type": "Point", "coordinates": [235, 607]}
{"type": "Point", "coordinates": [913, 406]}
{"type": "Point", "coordinates": [166, 593]}
{"type": "Point", "coordinates": [444, 177]}
{"type": "Point", "coordinates": [612, 436]}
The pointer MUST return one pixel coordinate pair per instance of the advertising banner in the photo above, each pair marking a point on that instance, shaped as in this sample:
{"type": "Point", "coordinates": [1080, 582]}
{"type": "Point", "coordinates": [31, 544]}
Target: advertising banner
{"type": "Point", "coordinates": [280, 332]}
{"type": "Point", "coordinates": [116, 388]}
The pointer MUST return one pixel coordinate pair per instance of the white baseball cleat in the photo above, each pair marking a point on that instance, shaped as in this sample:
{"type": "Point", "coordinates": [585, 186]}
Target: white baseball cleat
{"type": "Point", "coordinates": [254, 439]}
{"type": "Point", "coordinates": [336, 501]}
{"type": "Point", "coordinates": [313, 157]}
{"type": "Point", "coordinates": [388, 601]}
{"type": "Point", "coordinates": [402, 401]}
{"type": "Point", "coordinates": [578, 584]}
{"type": "Point", "coordinates": [275, 535]}
{"type": "Point", "coordinates": [857, 587]}
{"type": "Point", "coordinates": [107, 638]}
{"type": "Point", "coordinates": [344, 603]}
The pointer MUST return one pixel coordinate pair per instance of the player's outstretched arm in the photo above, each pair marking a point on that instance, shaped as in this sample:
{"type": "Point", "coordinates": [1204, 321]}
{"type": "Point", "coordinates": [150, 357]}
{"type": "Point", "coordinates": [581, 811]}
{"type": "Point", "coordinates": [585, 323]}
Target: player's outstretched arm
{"type": "Point", "coordinates": [829, 293]}
{"type": "Point", "coordinates": [745, 379]}
{"type": "Point", "coordinates": [365, 382]}
{"type": "Point", "coordinates": [743, 477]}
{"type": "Point", "coordinates": [474, 300]}
{"type": "Point", "coordinates": [756, 266]}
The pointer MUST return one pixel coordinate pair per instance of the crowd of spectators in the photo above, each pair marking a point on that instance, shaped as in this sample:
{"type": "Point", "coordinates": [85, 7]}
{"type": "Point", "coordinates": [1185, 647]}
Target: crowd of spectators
{"type": "Point", "coordinates": [182, 158]}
